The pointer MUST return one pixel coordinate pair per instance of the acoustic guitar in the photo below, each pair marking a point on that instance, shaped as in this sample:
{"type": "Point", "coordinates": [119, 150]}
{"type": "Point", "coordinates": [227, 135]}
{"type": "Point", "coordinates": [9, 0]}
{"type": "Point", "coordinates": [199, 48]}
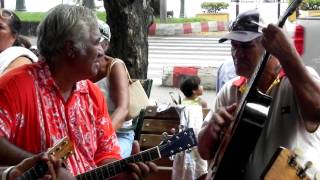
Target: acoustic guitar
{"type": "Point", "coordinates": [177, 143]}
{"type": "Point", "coordinates": [286, 164]}
{"type": "Point", "coordinates": [241, 137]}
{"type": "Point", "coordinates": [61, 150]}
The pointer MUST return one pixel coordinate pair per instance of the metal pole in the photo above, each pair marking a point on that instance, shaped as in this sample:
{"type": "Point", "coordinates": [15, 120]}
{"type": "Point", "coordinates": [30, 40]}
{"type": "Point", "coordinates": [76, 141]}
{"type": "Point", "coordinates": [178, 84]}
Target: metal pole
{"type": "Point", "coordinates": [237, 7]}
{"type": "Point", "coordinates": [279, 8]}
{"type": "Point", "coordinates": [163, 10]}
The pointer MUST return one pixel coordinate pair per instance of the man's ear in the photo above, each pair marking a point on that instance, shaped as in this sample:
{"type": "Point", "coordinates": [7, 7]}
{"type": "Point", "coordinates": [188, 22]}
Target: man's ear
{"type": "Point", "coordinates": [69, 49]}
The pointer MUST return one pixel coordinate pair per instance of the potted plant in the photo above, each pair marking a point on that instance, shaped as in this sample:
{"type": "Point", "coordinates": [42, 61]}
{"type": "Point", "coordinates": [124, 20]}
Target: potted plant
{"type": "Point", "coordinates": [310, 8]}
{"type": "Point", "coordinates": [212, 11]}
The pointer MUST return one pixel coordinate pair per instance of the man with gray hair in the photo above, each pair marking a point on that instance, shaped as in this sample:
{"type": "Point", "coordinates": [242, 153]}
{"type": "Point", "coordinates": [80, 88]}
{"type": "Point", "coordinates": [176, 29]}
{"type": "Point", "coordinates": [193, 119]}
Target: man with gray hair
{"type": "Point", "coordinates": [51, 99]}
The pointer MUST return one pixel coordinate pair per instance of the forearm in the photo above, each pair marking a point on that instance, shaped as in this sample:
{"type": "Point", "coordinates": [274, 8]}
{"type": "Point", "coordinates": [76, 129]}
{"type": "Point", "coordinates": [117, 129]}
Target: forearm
{"type": "Point", "coordinates": [306, 88]}
{"type": "Point", "coordinates": [118, 117]}
{"type": "Point", "coordinates": [10, 154]}
{"type": "Point", "coordinates": [207, 144]}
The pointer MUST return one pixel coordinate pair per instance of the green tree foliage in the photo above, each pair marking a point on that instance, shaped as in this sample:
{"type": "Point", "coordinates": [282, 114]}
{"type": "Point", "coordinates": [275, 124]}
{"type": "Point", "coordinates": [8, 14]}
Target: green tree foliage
{"type": "Point", "coordinates": [214, 7]}
{"type": "Point", "coordinates": [310, 5]}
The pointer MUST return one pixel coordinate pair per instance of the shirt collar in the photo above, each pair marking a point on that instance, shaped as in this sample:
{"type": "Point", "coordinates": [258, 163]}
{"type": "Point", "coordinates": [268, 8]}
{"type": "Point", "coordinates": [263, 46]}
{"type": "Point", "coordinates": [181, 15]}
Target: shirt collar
{"type": "Point", "coordinates": [241, 82]}
{"type": "Point", "coordinates": [46, 79]}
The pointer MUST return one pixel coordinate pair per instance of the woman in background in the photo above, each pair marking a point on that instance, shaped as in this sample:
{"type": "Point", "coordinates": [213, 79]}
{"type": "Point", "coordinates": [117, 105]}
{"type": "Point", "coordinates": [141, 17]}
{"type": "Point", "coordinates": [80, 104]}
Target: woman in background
{"type": "Point", "coordinates": [13, 51]}
{"type": "Point", "coordinates": [113, 82]}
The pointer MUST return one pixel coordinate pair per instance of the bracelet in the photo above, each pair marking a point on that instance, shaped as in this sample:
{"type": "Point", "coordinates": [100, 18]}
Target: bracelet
{"type": "Point", "coordinates": [5, 173]}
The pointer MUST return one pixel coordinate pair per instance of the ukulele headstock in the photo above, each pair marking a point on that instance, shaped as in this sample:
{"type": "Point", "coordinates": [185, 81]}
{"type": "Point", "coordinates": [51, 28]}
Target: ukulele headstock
{"type": "Point", "coordinates": [62, 149]}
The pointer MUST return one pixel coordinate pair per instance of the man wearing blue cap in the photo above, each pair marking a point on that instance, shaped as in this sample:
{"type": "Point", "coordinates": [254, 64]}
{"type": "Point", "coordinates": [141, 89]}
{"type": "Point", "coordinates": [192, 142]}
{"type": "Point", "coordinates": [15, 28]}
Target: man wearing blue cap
{"type": "Point", "coordinates": [294, 114]}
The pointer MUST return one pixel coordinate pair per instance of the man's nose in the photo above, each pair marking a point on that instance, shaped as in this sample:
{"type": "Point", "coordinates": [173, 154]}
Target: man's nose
{"type": "Point", "coordinates": [239, 52]}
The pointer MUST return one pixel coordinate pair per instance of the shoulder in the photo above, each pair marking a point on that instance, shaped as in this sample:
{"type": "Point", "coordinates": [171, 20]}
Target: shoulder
{"type": "Point", "coordinates": [228, 93]}
{"type": "Point", "coordinates": [232, 85]}
{"type": "Point", "coordinates": [17, 51]}
{"type": "Point", "coordinates": [18, 80]}
{"type": "Point", "coordinates": [119, 69]}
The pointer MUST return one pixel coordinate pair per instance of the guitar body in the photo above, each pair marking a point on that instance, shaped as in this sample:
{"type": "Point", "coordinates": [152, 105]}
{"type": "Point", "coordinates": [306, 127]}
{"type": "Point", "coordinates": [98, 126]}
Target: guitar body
{"type": "Point", "coordinates": [236, 151]}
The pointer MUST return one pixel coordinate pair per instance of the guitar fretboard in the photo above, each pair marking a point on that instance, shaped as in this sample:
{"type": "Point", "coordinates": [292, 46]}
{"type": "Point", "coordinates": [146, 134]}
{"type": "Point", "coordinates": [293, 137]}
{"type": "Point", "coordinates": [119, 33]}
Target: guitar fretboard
{"type": "Point", "coordinates": [35, 172]}
{"type": "Point", "coordinates": [114, 168]}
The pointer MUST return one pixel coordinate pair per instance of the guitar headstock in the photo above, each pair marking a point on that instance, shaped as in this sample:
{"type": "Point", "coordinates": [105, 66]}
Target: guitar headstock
{"type": "Point", "coordinates": [179, 142]}
{"type": "Point", "coordinates": [62, 149]}
{"type": "Point", "coordinates": [288, 164]}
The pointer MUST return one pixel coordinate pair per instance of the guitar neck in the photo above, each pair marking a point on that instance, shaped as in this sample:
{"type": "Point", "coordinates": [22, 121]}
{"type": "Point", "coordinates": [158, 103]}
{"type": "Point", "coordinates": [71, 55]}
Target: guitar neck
{"type": "Point", "coordinates": [114, 168]}
{"type": "Point", "coordinates": [36, 172]}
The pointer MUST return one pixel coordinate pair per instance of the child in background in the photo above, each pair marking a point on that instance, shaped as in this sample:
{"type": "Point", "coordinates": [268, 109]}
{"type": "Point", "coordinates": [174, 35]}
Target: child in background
{"type": "Point", "coordinates": [192, 90]}
{"type": "Point", "coordinates": [189, 165]}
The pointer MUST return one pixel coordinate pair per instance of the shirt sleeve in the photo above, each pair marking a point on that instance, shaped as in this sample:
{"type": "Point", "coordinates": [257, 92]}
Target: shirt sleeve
{"type": "Point", "coordinates": [107, 142]}
{"type": "Point", "coordinates": [6, 118]}
{"type": "Point", "coordinates": [9, 99]}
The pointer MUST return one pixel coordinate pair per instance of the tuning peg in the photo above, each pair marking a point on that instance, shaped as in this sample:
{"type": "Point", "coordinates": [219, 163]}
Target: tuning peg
{"type": "Point", "coordinates": [301, 172]}
{"type": "Point", "coordinates": [70, 153]}
{"type": "Point", "coordinates": [165, 136]}
{"type": "Point", "coordinates": [173, 131]}
{"type": "Point", "coordinates": [181, 127]}
{"type": "Point", "coordinates": [171, 158]}
{"type": "Point", "coordinates": [292, 160]}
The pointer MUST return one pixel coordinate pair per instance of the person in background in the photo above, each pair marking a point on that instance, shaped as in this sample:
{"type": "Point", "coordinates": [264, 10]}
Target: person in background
{"type": "Point", "coordinates": [192, 89]}
{"type": "Point", "coordinates": [294, 113]}
{"type": "Point", "coordinates": [53, 98]}
{"type": "Point", "coordinates": [13, 52]}
{"type": "Point", "coordinates": [113, 81]}
{"type": "Point", "coordinates": [226, 71]}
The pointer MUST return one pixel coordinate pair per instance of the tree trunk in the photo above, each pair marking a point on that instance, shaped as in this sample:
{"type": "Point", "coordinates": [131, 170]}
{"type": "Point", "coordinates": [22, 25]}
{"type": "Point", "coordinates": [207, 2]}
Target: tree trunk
{"type": "Point", "coordinates": [89, 4]}
{"type": "Point", "coordinates": [182, 9]}
{"type": "Point", "coordinates": [129, 21]}
{"type": "Point", "coordinates": [20, 5]}
{"type": "Point", "coordinates": [1, 3]}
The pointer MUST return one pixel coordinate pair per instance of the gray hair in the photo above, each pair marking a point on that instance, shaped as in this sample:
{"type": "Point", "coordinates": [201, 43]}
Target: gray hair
{"type": "Point", "coordinates": [62, 23]}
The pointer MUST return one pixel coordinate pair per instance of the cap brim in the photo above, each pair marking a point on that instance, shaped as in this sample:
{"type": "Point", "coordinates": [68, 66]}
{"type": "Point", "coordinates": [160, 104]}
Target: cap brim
{"type": "Point", "coordinates": [242, 36]}
{"type": "Point", "coordinates": [105, 37]}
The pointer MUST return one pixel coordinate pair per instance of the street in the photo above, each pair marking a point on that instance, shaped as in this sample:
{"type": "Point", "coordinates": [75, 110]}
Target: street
{"type": "Point", "coordinates": [191, 50]}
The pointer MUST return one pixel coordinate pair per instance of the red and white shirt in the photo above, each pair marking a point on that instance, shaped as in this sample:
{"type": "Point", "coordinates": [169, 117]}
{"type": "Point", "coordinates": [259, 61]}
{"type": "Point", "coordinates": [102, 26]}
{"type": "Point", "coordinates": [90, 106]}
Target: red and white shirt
{"type": "Point", "coordinates": [34, 116]}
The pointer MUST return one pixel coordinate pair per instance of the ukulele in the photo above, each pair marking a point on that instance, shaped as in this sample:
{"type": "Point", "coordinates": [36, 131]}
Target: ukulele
{"type": "Point", "coordinates": [177, 143]}
{"type": "Point", "coordinates": [61, 150]}
{"type": "Point", "coordinates": [240, 138]}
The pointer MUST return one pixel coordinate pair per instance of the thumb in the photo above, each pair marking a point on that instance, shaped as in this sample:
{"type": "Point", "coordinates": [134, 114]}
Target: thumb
{"type": "Point", "coordinates": [135, 147]}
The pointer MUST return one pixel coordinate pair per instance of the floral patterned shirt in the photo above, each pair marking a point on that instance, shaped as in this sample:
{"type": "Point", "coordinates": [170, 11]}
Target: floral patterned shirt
{"type": "Point", "coordinates": [34, 116]}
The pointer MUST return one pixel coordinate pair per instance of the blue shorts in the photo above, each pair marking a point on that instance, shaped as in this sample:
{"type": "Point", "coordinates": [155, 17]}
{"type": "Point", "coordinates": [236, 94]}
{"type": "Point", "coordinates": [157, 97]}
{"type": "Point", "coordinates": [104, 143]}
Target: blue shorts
{"type": "Point", "coordinates": [125, 140]}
